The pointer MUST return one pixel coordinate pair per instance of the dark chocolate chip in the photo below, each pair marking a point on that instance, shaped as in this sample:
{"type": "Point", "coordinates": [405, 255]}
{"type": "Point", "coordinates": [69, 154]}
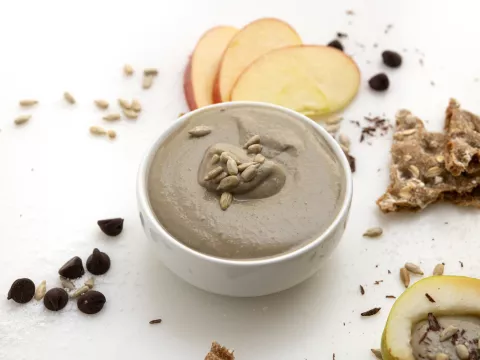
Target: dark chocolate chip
{"type": "Point", "coordinates": [336, 44]}
{"type": "Point", "coordinates": [98, 263]}
{"type": "Point", "coordinates": [72, 269]}
{"type": "Point", "coordinates": [392, 59]}
{"type": "Point", "coordinates": [55, 299]}
{"type": "Point", "coordinates": [379, 82]}
{"type": "Point", "coordinates": [370, 312]}
{"type": "Point", "coordinates": [111, 227]}
{"type": "Point", "coordinates": [91, 302]}
{"type": "Point", "coordinates": [21, 291]}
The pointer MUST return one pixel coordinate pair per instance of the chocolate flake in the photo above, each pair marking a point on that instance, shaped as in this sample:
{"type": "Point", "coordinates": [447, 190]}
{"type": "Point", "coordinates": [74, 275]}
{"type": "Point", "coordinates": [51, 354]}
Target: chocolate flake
{"type": "Point", "coordinates": [342, 35]}
{"type": "Point", "coordinates": [378, 282]}
{"type": "Point", "coordinates": [155, 321]}
{"type": "Point", "coordinates": [429, 298]}
{"type": "Point", "coordinates": [389, 272]}
{"type": "Point", "coordinates": [371, 312]}
{"type": "Point", "coordinates": [362, 290]}
{"type": "Point", "coordinates": [351, 161]}
{"type": "Point", "coordinates": [391, 297]}
{"type": "Point", "coordinates": [461, 264]}
{"type": "Point", "coordinates": [433, 323]}
{"type": "Point", "coordinates": [336, 44]}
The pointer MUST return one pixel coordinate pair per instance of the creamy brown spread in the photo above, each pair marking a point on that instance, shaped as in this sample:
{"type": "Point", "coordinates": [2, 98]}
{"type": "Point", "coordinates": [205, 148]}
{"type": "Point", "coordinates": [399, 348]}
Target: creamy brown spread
{"type": "Point", "coordinates": [463, 331]}
{"type": "Point", "coordinates": [295, 196]}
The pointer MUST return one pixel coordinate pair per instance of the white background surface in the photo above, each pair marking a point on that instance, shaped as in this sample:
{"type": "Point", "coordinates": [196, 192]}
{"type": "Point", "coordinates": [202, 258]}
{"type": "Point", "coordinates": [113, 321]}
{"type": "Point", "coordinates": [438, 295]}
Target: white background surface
{"type": "Point", "coordinates": [56, 180]}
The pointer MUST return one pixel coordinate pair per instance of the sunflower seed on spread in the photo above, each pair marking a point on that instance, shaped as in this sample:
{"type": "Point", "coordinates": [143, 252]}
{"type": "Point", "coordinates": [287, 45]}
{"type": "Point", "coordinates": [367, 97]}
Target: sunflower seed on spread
{"type": "Point", "coordinates": [230, 182]}
{"type": "Point", "coordinates": [215, 159]}
{"type": "Point", "coordinates": [373, 232]}
{"type": "Point", "coordinates": [255, 139]}
{"type": "Point", "coordinates": [22, 119]}
{"type": "Point", "coordinates": [41, 290]}
{"type": "Point", "coordinates": [136, 106]}
{"type": "Point", "coordinates": [220, 177]}
{"type": "Point", "coordinates": [259, 158]}
{"type": "Point", "coordinates": [130, 114]}
{"type": "Point", "coordinates": [112, 117]}
{"type": "Point", "coordinates": [150, 72]}
{"type": "Point", "coordinates": [405, 277]}
{"type": "Point", "coordinates": [67, 284]}
{"type": "Point", "coordinates": [254, 149]}
{"type": "Point", "coordinates": [124, 104]}
{"type": "Point", "coordinates": [69, 97]}
{"type": "Point", "coordinates": [224, 156]}
{"type": "Point", "coordinates": [225, 200]}
{"type": "Point", "coordinates": [101, 104]}
{"type": "Point", "coordinates": [462, 351]}
{"type": "Point", "coordinates": [433, 171]}
{"type": "Point", "coordinates": [441, 356]}
{"type": "Point", "coordinates": [147, 82]}
{"type": "Point", "coordinates": [97, 130]}
{"type": "Point", "coordinates": [28, 102]}
{"type": "Point", "coordinates": [80, 291]}
{"type": "Point", "coordinates": [448, 332]}
{"type": "Point", "coordinates": [344, 140]}
{"type": "Point", "coordinates": [232, 167]}
{"type": "Point", "coordinates": [413, 268]}
{"type": "Point", "coordinates": [332, 120]}
{"type": "Point", "coordinates": [249, 173]}
{"type": "Point", "coordinates": [377, 353]}
{"type": "Point", "coordinates": [128, 70]}
{"type": "Point", "coordinates": [438, 269]}
{"type": "Point", "coordinates": [213, 173]}
{"type": "Point", "coordinates": [90, 282]}
{"type": "Point", "coordinates": [414, 170]}
{"type": "Point", "coordinates": [111, 134]}
{"type": "Point", "coordinates": [243, 166]}
{"type": "Point", "coordinates": [199, 131]}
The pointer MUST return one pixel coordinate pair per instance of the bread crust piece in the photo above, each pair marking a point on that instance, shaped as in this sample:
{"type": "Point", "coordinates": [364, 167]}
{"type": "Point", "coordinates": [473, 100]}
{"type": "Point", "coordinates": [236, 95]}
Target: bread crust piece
{"type": "Point", "coordinates": [418, 176]}
{"type": "Point", "coordinates": [462, 150]}
{"type": "Point", "coordinates": [219, 352]}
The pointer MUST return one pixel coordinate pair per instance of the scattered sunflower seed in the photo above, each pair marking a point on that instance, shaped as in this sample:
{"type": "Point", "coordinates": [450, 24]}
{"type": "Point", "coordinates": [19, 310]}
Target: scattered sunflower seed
{"type": "Point", "coordinates": [124, 104]}
{"type": "Point", "coordinates": [67, 284]}
{"type": "Point", "coordinates": [413, 268]}
{"type": "Point", "coordinates": [439, 269]}
{"type": "Point", "coordinates": [150, 72]}
{"type": "Point", "coordinates": [111, 134]}
{"type": "Point", "coordinates": [112, 117]}
{"type": "Point", "coordinates": [377, 353]}
{"type": "Point", "coordinates": [130, 114]}
{"type": "Point", "coordinates": [249, 173]}
{"type": "Point", "coordinates": [90, 282]}
{"type": "Point", "coordinates": [28, 102]}
{"type": "Point", "coordinates": [373, 232]}
{"type": "Point", "coordinates": [255, 139]}
{"type": "Point", "coordinates": [147, 82]}
{"type": "Point", "coordinates": [97, 130]}
{"type": "Point", "coordinates": [155, 321]}
{"type": "Point", "coordinates": [371, 312]}
{"type": "Point", "coordinates": [69, 97]}
{"type": "Point", "coordinates": [243, 166]}
{"type": "Point", "coordinates": [232, 167]}
{"type": "Point", "coordinates": [448, 332]}
{"type": "Point", "coordinates": [462, 351]}
{"type": "Point", "coordinates": [215, 159]}
{"type": "Point", "coordinates": [41, 290]}
{"type": "Point", "coordinates": [333, 120]}
{"type": "Point", "coordinates": [441, 356]}
{"type": "Point", "coordinates": [225, 200]}
{"type": "Point", "coordinates": [228, 183]}
{"type": "Point", "coordinates": [136, 106]}
{"type": "Point", "coordinates": [414, 170]}
{"type": "Point", "coordinates": [433, 171]}
{"type": "Point", "coordinates": [102, 104]}
{"type": "Point", "coordinates": [128, 70]}
{"type": "Point", "coordinates": [405, 277]}
{"type": "Point", "coordinates": [259, 158]}
{"type": "Point", "coordinates": [199, 131]}
{"type": "Point", "coordinates": [345, 141]}
{"type": "Point", "coordinates": [213, 173]}
{"type": "Point", "coordinates": [332, 129]}
{"type": "Point", "coordinates": [255, 149]}
{"type": "Point", "coordinates": [22, 119]}
{"type": "Point", "coordinates": [220, 177]}
{"type": "Point", "coordinates": [181, 114]}
{"type": "Point", "coordinates": [80, 291]}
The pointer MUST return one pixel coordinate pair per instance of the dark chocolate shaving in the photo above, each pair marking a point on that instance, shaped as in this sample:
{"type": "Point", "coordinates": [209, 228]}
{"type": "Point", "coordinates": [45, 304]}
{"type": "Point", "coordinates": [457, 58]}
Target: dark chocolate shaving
{"type": "Point", "coordinates": [429, 298]}
{"type": "Point", "coordinates": [371, 312]}
{"type": "Point", "coordinates": [391, 297]}
{"type": "Point", "coordinates": [362, 290]}
{"type": "Point", "coordinates": [433, 323]}
{"type": "Point", "coordinates": [155, 321]}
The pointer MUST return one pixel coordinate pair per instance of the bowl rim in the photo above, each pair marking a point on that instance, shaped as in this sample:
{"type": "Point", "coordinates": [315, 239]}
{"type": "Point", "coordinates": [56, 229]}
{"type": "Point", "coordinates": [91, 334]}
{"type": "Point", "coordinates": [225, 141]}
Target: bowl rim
{"type": "Point", "coordinates": [145, 206]}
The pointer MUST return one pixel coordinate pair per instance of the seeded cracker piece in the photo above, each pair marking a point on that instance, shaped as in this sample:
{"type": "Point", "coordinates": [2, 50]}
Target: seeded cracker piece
{"type": "Point", "coordinates": [462, 152]}
{"type": "Point", "coordinates": [219, 352]}
{"type": "Point", "coordinates": [417, 174]}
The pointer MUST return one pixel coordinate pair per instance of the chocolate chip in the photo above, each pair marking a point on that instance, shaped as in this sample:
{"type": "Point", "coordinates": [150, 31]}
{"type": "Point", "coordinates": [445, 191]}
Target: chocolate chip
{"type": "Point", "coordinates": [98, 263]}
{"type": "Point", "coordinates": [392, 59]}
{"type": "Point", "coordinates": [91, 302]}
{"type": "Point", "coordinates": [336, 44]}
{"type": "Point", "coordinates": [379, 82]}
{"type": "Point", "coordinates": [72, 269]}
{"type": "Point", "coordinates": [21, 291]}
{"type": "Point", "coordinates": [55, 299]}
{"type": "Point", "coordinates": [111, 227]}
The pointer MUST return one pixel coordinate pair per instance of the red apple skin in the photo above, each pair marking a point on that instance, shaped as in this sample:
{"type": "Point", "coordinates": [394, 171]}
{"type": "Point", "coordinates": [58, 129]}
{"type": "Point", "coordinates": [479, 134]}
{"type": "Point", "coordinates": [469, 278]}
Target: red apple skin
{"type": "Point", "coordinates": [187, 87]}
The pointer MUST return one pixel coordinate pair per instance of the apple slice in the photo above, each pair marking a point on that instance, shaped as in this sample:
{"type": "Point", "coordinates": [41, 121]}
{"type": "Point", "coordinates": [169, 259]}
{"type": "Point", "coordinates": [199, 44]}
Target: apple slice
{"type": "Point", "coordinates": [313, 80]}
{"type": "Point", "coordinates": [254, 40]}
{"type": "Point", "coordinates": [202, 67]}
{"type": "Point", "coordinates": [441, 300]}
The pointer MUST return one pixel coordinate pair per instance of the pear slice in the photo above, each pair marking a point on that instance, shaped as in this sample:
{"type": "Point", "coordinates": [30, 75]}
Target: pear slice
{"type": "Point", "coordinates": [454, 296]}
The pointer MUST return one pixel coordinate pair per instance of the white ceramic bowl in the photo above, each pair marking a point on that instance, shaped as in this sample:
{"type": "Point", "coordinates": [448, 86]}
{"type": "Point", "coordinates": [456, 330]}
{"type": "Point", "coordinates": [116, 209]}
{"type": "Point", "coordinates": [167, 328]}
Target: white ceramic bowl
{"type": "Point", "coordinates": [240, 277]}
